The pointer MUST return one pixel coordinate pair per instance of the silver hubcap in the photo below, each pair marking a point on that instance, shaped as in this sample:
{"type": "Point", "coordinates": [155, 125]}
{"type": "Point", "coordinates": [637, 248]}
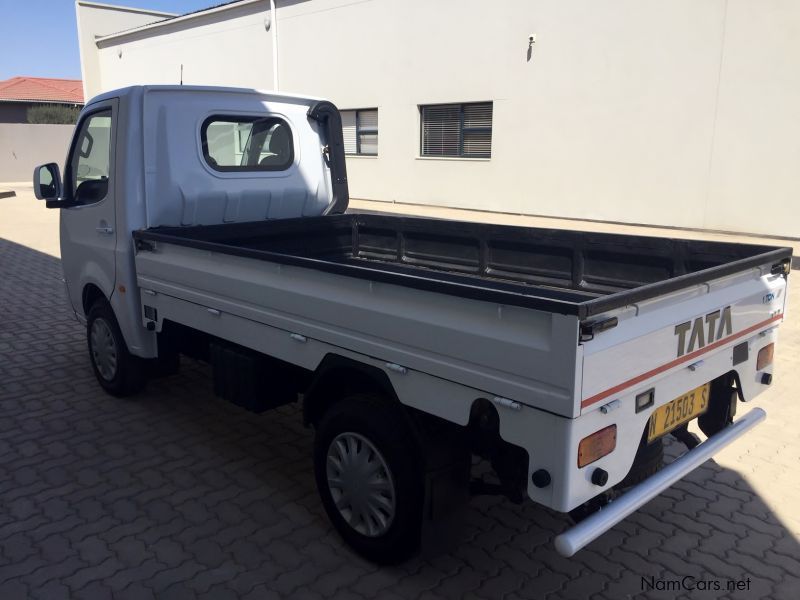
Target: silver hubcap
{"type": "Point", "coordinates": [104, 349]}
{"type": "Point", "coordinates": [361, 484]}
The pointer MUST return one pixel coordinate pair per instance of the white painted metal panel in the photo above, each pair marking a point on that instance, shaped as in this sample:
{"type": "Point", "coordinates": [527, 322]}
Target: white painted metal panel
{"type": "Point", "coordinates": [668, 334]}
{"type": "Point", "coordinates": [526, 355]}
{"type": "Point", "coordinates": [182, 189]}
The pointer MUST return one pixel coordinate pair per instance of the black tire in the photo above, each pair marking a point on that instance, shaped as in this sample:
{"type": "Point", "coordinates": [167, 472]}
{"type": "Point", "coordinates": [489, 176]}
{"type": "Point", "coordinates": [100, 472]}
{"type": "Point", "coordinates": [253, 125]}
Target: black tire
{"type": "Point", "coordinates": [128, 375]}
{"type": "Point", "coordinates": [382, 424]}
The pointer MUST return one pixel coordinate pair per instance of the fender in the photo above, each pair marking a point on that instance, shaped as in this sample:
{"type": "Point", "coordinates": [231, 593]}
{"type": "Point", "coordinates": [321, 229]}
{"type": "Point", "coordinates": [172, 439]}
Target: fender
{"type": "Point", "coordinates": [329, 381]}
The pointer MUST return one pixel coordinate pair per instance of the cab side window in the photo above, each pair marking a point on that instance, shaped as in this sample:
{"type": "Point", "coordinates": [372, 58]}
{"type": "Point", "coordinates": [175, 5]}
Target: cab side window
{"type": "Point", "coordinates": [90, 164]}
{"type": "Point", "coordinates": [247, 143]}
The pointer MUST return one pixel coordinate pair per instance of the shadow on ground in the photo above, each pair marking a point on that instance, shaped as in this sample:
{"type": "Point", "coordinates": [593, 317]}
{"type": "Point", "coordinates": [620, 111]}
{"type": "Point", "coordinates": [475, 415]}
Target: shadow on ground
{"type": "Point", "coordinates": [175, 494]}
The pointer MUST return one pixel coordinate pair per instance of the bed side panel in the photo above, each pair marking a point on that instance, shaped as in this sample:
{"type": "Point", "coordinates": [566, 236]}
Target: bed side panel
{"type": "Point", "coordinates": [513, 352]}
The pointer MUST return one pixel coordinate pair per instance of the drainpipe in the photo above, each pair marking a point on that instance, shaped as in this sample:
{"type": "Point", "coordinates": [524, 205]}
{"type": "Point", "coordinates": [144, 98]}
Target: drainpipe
{"type": "Point", "coordinates": [274, 45]}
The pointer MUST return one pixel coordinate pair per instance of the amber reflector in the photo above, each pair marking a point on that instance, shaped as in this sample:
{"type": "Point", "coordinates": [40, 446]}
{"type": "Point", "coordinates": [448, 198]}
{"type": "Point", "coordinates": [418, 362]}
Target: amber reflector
{"type": "Point", "coordinates": [765, 356]}
{"type": "Point", "coordinates": [597, 445]}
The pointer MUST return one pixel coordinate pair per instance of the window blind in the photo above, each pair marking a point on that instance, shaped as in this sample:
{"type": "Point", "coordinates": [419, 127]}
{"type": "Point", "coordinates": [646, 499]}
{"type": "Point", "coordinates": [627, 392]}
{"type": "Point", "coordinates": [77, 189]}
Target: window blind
{"type": "Point", "coordinates": [367, 119]}
{"type": "Point", "coordinates": [441, 130]}
{"type": "Point", "coordinates": [457, 130]}
{"type": "Point", "coordinates": [360, 131]}
{"type": "Point", "coordinates": [367, 131]}
{"type": "Point", "coordinates": [349, 130]}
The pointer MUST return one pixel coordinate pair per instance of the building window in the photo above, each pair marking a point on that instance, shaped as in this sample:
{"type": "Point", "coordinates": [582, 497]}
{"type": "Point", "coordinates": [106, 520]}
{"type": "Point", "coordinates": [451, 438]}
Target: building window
{"type": "Point", "coordinates": [360, 130]}
{"type": "Point", "coordinates": [457, 130]}
{"type": "Point", "coordinates": [247, 143]}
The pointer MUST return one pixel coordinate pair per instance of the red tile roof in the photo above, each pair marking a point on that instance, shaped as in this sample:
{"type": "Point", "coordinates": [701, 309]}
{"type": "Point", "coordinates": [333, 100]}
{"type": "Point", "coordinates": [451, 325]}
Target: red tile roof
{"type": "Point", "coordinates": [42, 89]}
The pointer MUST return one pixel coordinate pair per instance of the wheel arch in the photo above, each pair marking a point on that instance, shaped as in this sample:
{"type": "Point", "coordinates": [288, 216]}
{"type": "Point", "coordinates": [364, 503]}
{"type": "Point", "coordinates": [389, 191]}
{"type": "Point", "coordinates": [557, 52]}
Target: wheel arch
{"type": "Point", "coordinates": [338, 376]}
{"type": "Point", "coordinates": [90, 294]}
{"type": "Point", "coordinates": [140, 342]}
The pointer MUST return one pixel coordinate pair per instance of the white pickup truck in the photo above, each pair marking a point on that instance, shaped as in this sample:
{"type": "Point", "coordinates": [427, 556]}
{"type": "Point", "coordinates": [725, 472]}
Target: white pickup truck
{"type": "Point", "coordinates": [212, 222]}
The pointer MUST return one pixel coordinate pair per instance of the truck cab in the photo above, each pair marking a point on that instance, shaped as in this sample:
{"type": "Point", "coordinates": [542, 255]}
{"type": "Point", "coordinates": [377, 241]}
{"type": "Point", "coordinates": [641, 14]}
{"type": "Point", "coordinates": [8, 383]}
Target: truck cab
{"type": "Point", "coordinates": [255, 156]}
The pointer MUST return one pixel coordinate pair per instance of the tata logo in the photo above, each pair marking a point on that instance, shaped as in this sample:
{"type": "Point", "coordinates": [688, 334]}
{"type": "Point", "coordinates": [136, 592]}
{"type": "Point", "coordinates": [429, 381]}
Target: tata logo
{"type": "Point", "coordinates": [768, 298]}
{"type": "Point", "coordinates": [703, 330]}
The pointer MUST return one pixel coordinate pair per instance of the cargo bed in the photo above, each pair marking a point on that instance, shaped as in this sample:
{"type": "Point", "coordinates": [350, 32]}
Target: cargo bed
{"type": "Point", "coordinates": [567, 272]}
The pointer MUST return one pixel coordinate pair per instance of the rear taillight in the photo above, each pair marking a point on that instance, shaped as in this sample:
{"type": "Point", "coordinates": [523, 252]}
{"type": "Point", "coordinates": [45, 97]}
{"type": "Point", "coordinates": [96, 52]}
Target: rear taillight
{"type": "Point", "coordinates": [765, 356]}
{"type": "Point", "coordinates": [597, 445]}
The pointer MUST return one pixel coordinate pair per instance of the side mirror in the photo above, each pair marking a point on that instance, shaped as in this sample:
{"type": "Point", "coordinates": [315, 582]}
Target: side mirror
{"type": "Point", "coordinates": [47, 182]}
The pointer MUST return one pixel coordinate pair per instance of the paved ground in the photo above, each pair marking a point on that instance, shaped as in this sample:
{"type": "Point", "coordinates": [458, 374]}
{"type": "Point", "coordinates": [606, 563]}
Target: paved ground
{"type": "Point", "coordinates": [175, 494]}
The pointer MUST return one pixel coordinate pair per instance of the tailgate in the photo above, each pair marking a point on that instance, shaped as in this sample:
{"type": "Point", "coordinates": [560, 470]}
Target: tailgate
{"type": "Point", "coordinates": [695, 328]}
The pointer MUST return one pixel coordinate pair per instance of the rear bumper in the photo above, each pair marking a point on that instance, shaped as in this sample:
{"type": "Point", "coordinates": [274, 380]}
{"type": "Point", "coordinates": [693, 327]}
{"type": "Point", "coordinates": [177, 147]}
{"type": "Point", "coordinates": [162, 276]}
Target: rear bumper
{"type": "Point", "coordinates": [572, 540]}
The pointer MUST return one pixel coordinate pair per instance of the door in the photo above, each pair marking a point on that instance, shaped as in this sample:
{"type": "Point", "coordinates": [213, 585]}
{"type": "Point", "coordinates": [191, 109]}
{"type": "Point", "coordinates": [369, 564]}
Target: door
{"type": "Point", "coordinates": [88, 236]}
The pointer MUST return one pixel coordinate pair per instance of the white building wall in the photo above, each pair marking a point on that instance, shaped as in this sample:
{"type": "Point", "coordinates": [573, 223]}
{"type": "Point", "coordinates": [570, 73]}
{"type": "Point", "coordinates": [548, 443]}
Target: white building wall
{"type": "Point", "coordinates": [679, 113]}
{"type": "Point", "coordinates": [231, 46]}
{"type": "Point", "coordinates": [754, 181]}
{"type": "Point", "coordinates": [95, 19]}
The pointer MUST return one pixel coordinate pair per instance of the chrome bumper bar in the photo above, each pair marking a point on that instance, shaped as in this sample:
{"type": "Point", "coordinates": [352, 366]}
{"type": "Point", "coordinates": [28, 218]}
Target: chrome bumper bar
{"type": "Point", "coordinates": [572, 540]}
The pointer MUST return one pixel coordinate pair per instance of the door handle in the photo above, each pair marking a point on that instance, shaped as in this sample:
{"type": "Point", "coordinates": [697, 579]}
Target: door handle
{"type": "Point", "coordinates": [107, 230]}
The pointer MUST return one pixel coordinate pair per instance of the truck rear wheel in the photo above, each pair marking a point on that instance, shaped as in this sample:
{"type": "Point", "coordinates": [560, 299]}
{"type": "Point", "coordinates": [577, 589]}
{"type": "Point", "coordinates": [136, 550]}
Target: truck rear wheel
{"type": "Point", "coordinates": [370, 478]}
{"type": "Point", "coordinates": [116, 369]}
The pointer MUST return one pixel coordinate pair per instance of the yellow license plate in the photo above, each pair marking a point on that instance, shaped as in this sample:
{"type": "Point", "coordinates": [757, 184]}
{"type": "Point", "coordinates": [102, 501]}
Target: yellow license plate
{"type": "Point", "coordinates": [677, 412]}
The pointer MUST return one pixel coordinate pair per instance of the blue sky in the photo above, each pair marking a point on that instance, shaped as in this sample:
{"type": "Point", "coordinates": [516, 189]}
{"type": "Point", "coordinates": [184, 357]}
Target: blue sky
{"type": "Point", "coordinates": [40, 39]}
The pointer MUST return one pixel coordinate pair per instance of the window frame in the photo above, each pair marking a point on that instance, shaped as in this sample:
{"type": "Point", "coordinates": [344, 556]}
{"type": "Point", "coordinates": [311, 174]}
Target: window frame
{"type": "Point", "coordinates": [68, 192]}
{"type": "Point", "coordinates": [367, 130]}
{"type": "Point", "coordinates": [239, 118]}
{"type": "Point", "coordinates": [461, 130]}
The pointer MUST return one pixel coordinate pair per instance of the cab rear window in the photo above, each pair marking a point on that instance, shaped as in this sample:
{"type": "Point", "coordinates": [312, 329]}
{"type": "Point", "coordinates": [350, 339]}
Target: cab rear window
{"type": "Point", "coordinates": [233, 143]}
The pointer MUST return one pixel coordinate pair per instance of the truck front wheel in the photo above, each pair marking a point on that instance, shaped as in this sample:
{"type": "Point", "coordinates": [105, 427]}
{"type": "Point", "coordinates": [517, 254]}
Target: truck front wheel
{"type": "Point", "coordinates": [116, 369]}
{"type": "Point", "coordinates": [370, 478]}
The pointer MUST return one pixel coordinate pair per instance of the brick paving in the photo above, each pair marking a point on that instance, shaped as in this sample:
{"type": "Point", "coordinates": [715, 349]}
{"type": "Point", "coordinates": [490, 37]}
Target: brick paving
{"type": "Point", "coordinates": [176, 494]}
